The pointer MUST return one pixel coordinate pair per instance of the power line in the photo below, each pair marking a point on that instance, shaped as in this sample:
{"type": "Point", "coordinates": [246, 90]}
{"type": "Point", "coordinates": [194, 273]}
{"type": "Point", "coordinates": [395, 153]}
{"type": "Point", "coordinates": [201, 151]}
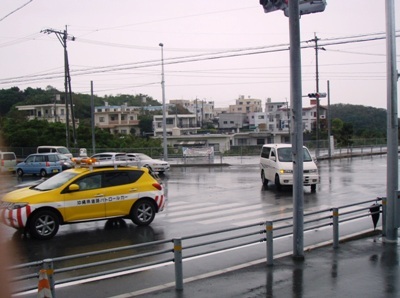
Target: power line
{"type": "Point", "coordinates": [7, 15]}
{"type": "Point", "coordinates": [196, 58]}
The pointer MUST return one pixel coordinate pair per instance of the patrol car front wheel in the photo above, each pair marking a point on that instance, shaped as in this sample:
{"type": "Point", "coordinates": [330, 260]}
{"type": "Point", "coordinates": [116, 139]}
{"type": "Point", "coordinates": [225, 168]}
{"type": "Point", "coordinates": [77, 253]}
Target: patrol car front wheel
{"type": "Point", "coordinates": [143, 213]}
{"type": "Point", "coordinates": [43, 224]}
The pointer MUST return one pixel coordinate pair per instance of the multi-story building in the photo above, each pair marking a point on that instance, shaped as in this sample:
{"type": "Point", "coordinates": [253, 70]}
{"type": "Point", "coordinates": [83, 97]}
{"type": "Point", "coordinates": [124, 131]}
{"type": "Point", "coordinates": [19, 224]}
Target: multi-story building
{"type": "Point", "coordinates": [204, 110]}
{"type": "Point", "coordinates": [232, 121]}
{"type": "Point", "coordinates": [118, 119]}
{"type": "Point", "coordinates": [246, 105]}
{"type": "Point", "coordinates": [52, 112]}
{"type": "Point", "coordinates": [175, 124]}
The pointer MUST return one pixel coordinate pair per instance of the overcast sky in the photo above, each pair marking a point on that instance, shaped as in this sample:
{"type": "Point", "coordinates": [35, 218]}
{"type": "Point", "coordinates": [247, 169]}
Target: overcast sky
{"type": "Point", "coordinates": [117, 47]}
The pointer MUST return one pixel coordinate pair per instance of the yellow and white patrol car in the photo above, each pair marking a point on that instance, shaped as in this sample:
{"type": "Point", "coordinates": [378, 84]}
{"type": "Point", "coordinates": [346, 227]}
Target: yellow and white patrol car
{"type": "Point", "coordinates": [87, 192]}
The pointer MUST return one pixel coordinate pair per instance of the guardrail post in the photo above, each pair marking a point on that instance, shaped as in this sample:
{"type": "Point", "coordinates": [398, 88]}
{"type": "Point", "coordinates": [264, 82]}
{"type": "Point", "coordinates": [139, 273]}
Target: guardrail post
{"type": "Point", "coordinates": [384, 205]}
{"type": "Point", "coordinates": [178, 263]}
{"type": "Point", "coordinates": [335, 222]}
{"type": "Point", "coordinates": [270, 241]}
{"type": "Point", "coordinates": [49, 267]}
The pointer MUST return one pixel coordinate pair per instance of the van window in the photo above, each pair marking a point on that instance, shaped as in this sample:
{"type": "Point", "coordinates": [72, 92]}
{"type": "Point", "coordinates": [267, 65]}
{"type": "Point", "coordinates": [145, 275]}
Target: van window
{"type": "Point", "coordinates": [306, 155]}
{"type": "Point", "coordinates": [273, 153]}
{"type": "Point", "coordinates": [40, 158]}
{"type": "Point", "coordinates": [265, 152]}
{"type": "Point", "coordinates": [8, 156]}
{"type": "Point", "coordinates": [53, 157]}
{"type": "Point", "coordinates": [63, 150]}
{"type": "Point", "coordinates": [285, 154]}
{"type": "Point", "coordinates": [44, 150]}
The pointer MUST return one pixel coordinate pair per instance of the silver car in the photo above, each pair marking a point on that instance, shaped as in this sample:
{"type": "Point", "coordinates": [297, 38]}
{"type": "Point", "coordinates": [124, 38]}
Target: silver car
{"type": "Point", "coordinates": [143, 160]}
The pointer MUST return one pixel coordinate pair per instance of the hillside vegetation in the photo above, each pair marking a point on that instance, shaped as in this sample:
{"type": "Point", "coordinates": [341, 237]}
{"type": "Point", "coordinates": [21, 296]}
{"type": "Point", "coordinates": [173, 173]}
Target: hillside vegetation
{"type": "Point", "coordinates": [366, 121]}
{"type": "Point", "coordinates": [348, 121]}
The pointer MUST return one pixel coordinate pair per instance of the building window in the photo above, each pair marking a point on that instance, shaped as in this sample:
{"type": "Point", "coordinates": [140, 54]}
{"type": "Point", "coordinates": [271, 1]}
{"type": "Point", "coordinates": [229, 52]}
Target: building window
{"type": "Point", "coordinates": [101, 119]}
{"type": "Point", "coordinates": [261, 117]}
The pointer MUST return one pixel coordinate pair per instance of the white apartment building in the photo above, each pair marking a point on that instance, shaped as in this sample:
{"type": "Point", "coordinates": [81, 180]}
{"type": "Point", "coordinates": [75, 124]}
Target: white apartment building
{"type": "Point", "coordinates": [118, 119]}
{"type": "Point", "coordinates": [278, 116]}
{"type": "Point", "coordinates": [52, 112]}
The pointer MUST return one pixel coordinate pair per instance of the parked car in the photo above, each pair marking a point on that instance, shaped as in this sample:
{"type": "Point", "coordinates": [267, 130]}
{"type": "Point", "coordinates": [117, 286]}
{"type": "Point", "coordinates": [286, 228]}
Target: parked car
{"type": "Point", "coordinates": [143, 160]}
{"type": "Point", "coordinates": [8, 161]}
{"type": "Point", "coordinates": [54, 149]}
{"type": "Point", "coordinates": [65, 161]}
{"type": "Point", "coordinates": [109, 156]}
{"type": "Point", "coordinates": [42, 164]}
{"type": "Point", "coordinates": [276, 165]}
{"type": "Point", "coordinates": [81, 194]}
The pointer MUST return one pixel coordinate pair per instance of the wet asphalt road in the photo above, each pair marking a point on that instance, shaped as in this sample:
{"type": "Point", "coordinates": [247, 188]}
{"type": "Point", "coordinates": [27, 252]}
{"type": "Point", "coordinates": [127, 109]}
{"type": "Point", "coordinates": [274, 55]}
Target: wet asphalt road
{"type": "Point", "coordinates": [203, 199]}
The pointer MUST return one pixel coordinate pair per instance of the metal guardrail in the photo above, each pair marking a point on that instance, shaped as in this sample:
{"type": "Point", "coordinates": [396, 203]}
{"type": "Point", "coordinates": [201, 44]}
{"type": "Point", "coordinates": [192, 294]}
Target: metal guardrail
{"type": "Point", "coordinates": [177, 249]}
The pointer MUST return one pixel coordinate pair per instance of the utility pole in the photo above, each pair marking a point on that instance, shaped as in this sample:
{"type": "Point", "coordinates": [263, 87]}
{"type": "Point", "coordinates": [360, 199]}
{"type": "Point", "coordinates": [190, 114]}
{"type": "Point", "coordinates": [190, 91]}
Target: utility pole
{"type": "Point", "coordinates": [63, 37]}
{"type": "Point", "coordinates": [164, 122]}
{"type": "Point", "coordinates": [317, 124]}
{"type": "Point", "coordinates": [92, 119]}
{"type": "Point", "coordinates": [392, 76]}
{"type": "Point", "coordinates": [297, 132]}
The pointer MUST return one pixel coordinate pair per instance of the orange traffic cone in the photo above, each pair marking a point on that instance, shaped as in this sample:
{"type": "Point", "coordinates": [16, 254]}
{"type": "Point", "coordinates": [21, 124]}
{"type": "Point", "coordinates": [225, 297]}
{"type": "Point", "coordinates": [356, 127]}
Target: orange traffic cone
{"type": "Point", "coordinates": [44, 290]}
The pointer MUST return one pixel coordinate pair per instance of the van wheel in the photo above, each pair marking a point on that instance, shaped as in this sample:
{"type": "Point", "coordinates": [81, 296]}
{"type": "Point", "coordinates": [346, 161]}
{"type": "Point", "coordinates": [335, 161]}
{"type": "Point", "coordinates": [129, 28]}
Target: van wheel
{"type": "Point", "coordinates": [43, 173]}
{"type": "Point", "coordinates": [20, 173]}
{"type": "Point", "coordinates": [263, 179]}
{"type": "Point", "coordinates": [277, 182]}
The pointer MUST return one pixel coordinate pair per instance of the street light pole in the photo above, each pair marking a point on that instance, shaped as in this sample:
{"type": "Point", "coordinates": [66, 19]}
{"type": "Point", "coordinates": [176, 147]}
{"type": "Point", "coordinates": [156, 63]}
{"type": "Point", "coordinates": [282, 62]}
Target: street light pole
{"type": "Point", "coordinates": [164, 122]}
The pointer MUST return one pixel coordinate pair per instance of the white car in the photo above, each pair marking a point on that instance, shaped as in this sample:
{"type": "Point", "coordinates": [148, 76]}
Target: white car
{"type": "Point", "coordinates": [276, 165]}
{"type": "Point", "coordinates": [143, 160]}
{"type": "Point", "coordinates": [109, 156]}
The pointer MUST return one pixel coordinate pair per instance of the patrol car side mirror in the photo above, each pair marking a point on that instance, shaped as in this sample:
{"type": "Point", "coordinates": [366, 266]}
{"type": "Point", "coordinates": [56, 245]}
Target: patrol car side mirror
{"type": "Point", "coordinates": [73, 187]}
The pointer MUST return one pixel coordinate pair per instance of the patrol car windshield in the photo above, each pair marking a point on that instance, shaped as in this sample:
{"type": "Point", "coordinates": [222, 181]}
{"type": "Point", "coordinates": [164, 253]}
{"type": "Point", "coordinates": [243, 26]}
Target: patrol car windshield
{"type": "Point", "coordinates": [55, 181]}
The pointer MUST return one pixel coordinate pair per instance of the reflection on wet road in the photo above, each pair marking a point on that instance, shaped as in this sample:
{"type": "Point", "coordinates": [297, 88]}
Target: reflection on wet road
{"type": "Point", "coordinates": [202, 199]}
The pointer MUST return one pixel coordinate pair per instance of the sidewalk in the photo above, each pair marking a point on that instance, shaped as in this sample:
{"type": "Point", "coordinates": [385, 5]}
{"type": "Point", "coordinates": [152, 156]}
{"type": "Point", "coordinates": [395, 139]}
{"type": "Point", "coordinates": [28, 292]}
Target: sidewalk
{"type": "Point", "coordinates": [362, 267]}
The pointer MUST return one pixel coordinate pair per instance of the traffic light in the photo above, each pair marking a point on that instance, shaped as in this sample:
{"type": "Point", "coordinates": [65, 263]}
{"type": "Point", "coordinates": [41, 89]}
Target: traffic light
{"type": "Point", "coordinates": [305, 6]}
{"type": "Point", "coordinates": [308, 6]}
{"type": "Point", "coordinates": [316, 95]}
{"type": "Point", "coordinates": [273, 5]}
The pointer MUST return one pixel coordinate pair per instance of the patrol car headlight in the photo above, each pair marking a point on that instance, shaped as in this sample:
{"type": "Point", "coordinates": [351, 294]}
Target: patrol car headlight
{"type": "Point", "coordinates": [286, 171]}
{"type": "Point", "coordinates": [13, 206]}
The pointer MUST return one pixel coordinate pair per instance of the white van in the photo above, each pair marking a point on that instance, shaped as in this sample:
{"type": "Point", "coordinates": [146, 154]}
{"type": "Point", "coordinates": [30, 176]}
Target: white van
{"type": "Point", "coordinates": [54, 149]}
{"type": "Point", "coordinates": [276, 165]}
{"type": "Point", "coordinates": [8, 161]}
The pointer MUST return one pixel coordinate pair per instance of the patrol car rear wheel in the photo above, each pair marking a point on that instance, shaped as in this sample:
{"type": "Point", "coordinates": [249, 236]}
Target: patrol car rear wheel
{"type": "Point", "coordinates": [143, 213]}
{"type": "Point", "coordinates": [44, 224]}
